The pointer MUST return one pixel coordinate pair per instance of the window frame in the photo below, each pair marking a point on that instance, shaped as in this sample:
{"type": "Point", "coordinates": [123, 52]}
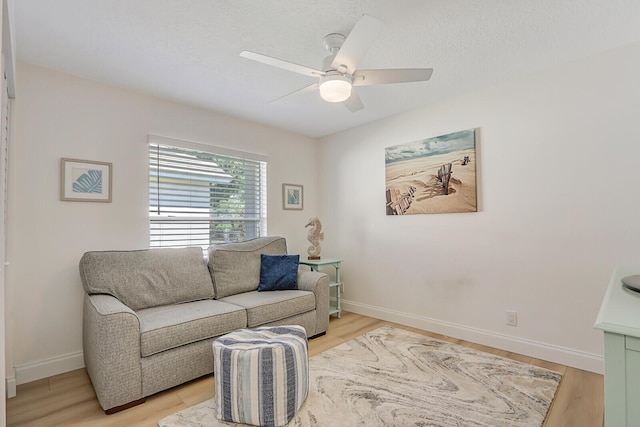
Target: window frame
{"type": "Point", "coordinates": [170, 224]}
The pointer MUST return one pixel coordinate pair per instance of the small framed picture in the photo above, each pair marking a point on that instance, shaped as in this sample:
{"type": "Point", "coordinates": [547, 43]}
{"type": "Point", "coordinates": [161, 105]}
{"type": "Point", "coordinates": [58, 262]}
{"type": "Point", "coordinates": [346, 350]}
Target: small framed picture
{"type": "Point", "coordinates": [85, 181]}
{"type": "Point", "coordinates": [292, 196]}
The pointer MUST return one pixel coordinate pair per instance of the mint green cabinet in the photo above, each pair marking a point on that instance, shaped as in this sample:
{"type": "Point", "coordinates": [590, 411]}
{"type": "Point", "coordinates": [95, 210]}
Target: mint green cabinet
{"type": "Point", "coordinates": [619, 318]}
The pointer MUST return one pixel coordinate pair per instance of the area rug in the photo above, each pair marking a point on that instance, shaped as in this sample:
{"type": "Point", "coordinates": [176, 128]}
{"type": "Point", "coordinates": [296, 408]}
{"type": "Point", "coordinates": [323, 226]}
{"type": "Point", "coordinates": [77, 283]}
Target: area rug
{"type": "Point", "coordinates": [392, 377]}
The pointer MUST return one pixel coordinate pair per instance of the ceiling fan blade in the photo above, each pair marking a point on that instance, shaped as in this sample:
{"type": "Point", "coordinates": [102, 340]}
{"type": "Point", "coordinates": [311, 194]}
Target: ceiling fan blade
{"type": "Point", "coordinates": [382, 77]}
{"type": "Point", "coordinates": [306, 89]}
{"type": "Point", "coordinates": [285, 65]}
{"type": "Point", "coordinates": [357, 44]}
{"type": "Point", "coordinates": [353, 103]}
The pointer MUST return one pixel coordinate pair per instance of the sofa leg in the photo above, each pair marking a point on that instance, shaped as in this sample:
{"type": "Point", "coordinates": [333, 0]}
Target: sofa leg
{"type": "Point", "coordinates": [318, 335]}
{"type": "Point", "coordinates": [125, 406]}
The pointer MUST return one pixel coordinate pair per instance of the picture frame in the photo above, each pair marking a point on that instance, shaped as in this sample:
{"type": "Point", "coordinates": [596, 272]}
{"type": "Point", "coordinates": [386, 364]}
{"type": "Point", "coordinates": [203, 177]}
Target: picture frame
{"type": "Point", "coordinates": [292, 197]}
{"type": "Point", "coordinates": [85, 181]}
{"type": "Point", "coordinates": [432, 175]}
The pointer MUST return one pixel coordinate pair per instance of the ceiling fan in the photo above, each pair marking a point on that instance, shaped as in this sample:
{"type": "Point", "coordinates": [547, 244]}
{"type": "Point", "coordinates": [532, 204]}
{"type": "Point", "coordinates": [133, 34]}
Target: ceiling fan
{"type": "Point", "coordinates": [340, 74]}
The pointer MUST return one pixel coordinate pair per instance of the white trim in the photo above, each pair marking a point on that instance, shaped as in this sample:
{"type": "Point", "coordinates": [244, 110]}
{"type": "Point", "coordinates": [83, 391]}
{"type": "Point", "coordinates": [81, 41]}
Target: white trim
{"type": "Point", "coordinates": [155, 139]}
{"type": "Point", "coordinates": [47, 368]}
{"type": "Point", "coordinates": [553, 353]}
{"type": "Point", "coordinates": [10, 387]}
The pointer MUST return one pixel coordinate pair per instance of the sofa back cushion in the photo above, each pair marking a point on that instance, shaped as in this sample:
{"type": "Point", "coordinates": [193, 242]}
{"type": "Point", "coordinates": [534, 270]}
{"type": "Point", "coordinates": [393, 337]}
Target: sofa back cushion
{"type": "Point", "coordinates": [235, 267]}
{"type": "Point", "coordinates": [147, 278]}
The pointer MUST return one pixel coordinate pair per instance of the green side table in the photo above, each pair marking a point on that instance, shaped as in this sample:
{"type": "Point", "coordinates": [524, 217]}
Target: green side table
{"type": "Point", "coordinates": [315, 264]}
{"type": "Point", "coordinates": [619, 318]}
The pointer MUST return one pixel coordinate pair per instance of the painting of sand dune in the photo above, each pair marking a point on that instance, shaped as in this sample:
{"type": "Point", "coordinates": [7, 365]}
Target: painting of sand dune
{"type": "Point", "coordinates": [434, 175]}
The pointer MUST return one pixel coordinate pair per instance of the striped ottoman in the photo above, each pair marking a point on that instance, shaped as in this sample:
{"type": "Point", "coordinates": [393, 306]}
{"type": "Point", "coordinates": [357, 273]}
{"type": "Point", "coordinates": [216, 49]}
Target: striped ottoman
{"type": "Point", "coordinates": [261, 375]}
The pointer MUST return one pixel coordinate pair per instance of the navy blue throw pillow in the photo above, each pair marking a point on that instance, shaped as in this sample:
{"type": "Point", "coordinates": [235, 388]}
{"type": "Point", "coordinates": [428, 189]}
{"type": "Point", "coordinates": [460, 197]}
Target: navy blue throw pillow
{"type": "Point", "coordinates": [278, 272]}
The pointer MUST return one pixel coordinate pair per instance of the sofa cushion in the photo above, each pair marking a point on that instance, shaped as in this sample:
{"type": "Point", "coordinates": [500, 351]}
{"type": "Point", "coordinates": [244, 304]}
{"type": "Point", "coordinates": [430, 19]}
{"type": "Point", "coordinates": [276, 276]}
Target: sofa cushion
{"type": "Point", "coordinates": [170, 326]}
{"type": "Point", "coordinates": [235, 267]}
{"type": "Point", "coordinates": [266, 307]}
{"type": "Point", "coordinates": [278, 272]}
{"type": "Point", "coordinates": [147, 278]}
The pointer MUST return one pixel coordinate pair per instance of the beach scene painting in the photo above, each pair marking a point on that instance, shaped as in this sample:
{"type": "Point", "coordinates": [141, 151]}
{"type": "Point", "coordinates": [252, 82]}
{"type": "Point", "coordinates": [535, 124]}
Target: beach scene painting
{"type": "Point", "coordinates": [433, 175]}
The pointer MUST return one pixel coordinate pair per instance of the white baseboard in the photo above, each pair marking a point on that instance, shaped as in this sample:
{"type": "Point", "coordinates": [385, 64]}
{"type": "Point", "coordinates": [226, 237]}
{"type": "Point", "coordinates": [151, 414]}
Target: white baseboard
{"type": "Point", "coordinates": [11, 387]}
{"type": "Point", "coordinates": [553, 353]}
{"type": "Point", "coordinates": [48, 368]}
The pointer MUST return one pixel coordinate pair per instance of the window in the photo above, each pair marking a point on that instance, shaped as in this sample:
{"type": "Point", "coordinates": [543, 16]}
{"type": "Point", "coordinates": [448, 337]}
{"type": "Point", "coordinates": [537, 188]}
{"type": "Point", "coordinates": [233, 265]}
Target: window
{"type": "Point", "coordinates": [202, 195]}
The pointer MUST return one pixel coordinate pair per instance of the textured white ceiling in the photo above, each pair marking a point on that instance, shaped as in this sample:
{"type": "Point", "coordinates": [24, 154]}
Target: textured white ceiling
{"type": "Point", "coordinates": [187, 50]}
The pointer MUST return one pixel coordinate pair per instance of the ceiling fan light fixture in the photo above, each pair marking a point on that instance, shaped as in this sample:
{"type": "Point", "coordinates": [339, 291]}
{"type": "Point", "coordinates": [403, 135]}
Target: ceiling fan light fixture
{"type": "Point", "coordinates": [335, 87]}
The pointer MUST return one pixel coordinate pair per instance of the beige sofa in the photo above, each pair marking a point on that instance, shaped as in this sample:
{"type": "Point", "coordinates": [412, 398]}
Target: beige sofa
{"type": "Point", "coordinates": [150, 316]}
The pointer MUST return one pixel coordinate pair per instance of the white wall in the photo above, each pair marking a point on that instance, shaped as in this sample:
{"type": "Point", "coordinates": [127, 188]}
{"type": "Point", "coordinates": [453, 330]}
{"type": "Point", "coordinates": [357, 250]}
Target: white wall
{"type": "Point", "coordinates": [58, 115]}
{"type": "Point", "coordinates": [559, 178]}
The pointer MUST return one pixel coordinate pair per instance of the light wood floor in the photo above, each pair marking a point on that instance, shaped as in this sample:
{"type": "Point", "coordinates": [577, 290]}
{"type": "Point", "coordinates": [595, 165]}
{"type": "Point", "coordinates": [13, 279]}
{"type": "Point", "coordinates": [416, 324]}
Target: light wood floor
{"type": "Point", "coordinates": [69, 400]}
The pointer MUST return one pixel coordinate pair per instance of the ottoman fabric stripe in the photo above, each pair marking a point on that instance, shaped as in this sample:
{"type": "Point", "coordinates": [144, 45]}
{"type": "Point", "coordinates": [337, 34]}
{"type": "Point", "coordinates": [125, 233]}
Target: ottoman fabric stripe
{"type": "Point", "coordinates": [226, 383]}
{"type": "Point", "coordinates": [290, 370]}
{"type": "Point", "coordinates": [250, 405]}
{"type": "Point", "coordinates": [265, 375]}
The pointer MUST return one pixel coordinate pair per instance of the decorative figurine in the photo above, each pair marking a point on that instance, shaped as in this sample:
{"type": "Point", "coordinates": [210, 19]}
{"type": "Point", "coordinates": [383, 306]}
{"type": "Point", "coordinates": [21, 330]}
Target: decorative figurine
{"type": "Point", "coordinates": [314, 236]}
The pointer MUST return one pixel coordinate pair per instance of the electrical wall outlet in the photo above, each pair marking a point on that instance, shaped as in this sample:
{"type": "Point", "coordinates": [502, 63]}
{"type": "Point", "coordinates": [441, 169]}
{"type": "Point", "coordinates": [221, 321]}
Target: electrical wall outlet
{"type": "Point", "coordinates": [512, 318]}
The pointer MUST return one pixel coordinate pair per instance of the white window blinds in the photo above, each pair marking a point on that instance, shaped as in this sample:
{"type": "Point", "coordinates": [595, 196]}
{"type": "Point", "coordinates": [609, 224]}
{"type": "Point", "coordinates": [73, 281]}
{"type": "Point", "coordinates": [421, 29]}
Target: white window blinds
{"type": "Point", "coordinates": [202, 196]}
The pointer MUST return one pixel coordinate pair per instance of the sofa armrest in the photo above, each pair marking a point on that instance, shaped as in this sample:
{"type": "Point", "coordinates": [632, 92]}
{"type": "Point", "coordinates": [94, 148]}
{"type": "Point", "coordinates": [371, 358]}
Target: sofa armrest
{"type": "Point", "coordinates": [111, 345]}
{"type": "Point", "coordinates": [318, 283]}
